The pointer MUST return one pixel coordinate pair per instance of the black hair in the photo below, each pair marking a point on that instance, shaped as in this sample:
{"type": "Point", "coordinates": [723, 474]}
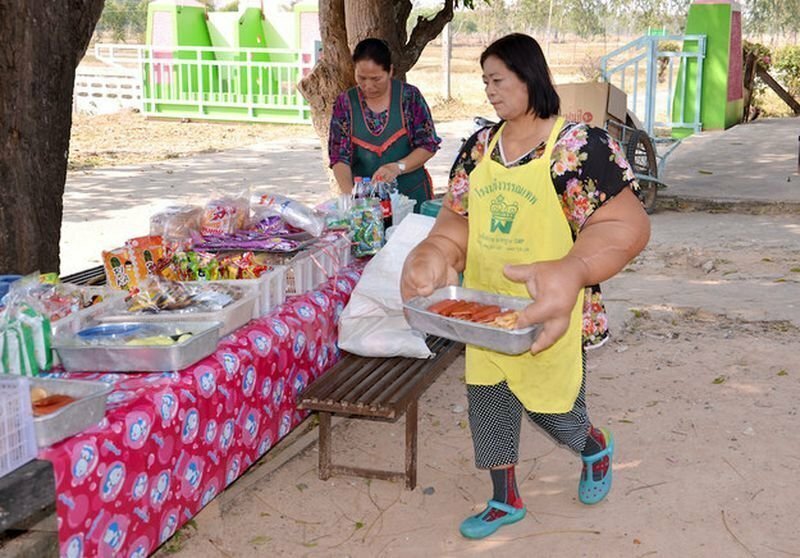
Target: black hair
{"type": "Point", "coordinates": [375, 50]}
{"type": "Point", "coordinates": [523, 56]}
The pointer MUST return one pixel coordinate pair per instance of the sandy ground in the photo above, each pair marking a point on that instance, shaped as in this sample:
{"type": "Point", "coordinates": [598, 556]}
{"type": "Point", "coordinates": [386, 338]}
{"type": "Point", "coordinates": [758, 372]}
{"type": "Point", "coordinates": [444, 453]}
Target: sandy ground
{"type": "Point", "coordinates": [700, 386]}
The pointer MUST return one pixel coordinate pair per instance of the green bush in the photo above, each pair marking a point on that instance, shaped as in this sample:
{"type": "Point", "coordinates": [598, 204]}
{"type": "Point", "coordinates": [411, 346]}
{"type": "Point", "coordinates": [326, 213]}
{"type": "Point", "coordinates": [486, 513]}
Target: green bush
{"type": "Point", "coordinates": [787, 65]}
{"type": "Point", "coordinates": [762, 52]}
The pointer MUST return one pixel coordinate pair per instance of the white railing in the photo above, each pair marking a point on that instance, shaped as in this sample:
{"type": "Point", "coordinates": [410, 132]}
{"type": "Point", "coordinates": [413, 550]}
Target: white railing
{"type": "Point", "coordinates": [100, 91]}
{"type": "Point", "coordinates": [257, 85]}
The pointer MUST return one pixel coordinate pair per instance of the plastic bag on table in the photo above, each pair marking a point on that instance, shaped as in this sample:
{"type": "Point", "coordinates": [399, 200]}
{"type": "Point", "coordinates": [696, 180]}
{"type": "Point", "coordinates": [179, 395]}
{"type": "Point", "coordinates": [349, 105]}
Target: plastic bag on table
{"type": "Point", "coordinates": [373, 323]}
{"type": "Point", "coordinates": [293, 212]}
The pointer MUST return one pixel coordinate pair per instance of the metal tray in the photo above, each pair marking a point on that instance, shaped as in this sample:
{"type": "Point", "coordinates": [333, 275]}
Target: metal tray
{"type": "Point", "coordinates": [77, 354]}
{"type": "Point", "coordinates": [88, 409]}
{"type": "Point", "coordinates": [509, 341]}
{"type": "Point", "coordinates": [232, 317]}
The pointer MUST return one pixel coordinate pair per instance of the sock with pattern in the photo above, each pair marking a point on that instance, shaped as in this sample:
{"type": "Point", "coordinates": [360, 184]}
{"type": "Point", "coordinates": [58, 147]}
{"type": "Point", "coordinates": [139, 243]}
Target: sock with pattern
{"type": "Point", "coordinates": [596, 442]}
{"type": "Point", "coordinates": [504, 482]}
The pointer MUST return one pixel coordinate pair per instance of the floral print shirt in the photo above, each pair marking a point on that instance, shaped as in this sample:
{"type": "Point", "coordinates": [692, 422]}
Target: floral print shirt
{"type": "Point", "coordinates": [588, 168]}
{"type": "Point", "coordinates": [419, 124]}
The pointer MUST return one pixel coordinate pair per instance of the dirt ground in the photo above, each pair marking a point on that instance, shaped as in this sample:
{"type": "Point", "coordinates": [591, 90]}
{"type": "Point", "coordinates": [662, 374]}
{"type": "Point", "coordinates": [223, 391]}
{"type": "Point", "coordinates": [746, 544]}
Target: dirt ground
{"type": "Point", "coordinates": [700, 386]}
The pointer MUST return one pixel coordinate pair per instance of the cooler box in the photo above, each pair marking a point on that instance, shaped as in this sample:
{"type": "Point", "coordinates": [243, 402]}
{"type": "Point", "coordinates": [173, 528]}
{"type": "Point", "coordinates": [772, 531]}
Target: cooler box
{"type": "Point", "coordinates": [431, 207]}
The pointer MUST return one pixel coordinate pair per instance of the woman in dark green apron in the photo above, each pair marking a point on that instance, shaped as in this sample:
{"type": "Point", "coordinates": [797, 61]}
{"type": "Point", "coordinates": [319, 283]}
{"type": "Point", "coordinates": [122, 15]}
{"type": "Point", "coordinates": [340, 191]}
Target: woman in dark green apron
{"type": "Point", "coordinates": [382, 129]}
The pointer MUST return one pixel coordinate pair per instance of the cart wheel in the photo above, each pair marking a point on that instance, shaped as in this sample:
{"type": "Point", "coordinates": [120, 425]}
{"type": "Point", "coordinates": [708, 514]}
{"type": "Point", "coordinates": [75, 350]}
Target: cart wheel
{"type": "Point", "coordinates": [641, 156]}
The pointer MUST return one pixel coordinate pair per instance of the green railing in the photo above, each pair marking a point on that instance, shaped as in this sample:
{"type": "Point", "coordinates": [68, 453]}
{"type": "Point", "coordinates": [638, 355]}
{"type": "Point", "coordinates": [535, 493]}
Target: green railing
{"type": "Point", "coordinates": [248, 84]}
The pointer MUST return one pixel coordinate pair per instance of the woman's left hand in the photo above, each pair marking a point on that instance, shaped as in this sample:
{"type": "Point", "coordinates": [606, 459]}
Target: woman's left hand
{"type": "Point", "coordinates": [554, 285]}
{"type": "Point", "coordinates": [387, 172]}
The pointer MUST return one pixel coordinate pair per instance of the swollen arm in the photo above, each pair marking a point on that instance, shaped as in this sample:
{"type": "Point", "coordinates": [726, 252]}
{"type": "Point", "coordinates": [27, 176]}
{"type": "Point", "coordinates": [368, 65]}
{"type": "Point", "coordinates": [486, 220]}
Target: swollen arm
{"type": "Point", "coordinates": [416, 159]}
{"type": "Point", "coordinates": [611, 238]}
{"type": "Point", "coordinates": [344, 177]}
{"type": "Point", "coordinates": [448, 237]}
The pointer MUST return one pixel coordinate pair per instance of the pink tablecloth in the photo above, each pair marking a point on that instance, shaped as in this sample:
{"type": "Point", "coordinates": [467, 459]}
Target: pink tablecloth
{"type": "Point", "coordinates": [171, 442]}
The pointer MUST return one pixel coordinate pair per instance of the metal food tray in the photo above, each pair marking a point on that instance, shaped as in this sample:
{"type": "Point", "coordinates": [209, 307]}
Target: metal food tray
{"type": "Point", "coordinates": [79, 355]}
{"type": "Point", "coordinates": [231, 317]}
{"type": "Point", "coordinates": [509, 341]}
{"type": "Point", "coordinates": [88, 409]}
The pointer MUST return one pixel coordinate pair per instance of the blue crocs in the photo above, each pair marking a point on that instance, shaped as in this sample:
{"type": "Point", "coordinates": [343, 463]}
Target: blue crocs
{"type": "Point", "coordinates": [476, 527]}
{"type": "Point", "coordinates": [591, 491]}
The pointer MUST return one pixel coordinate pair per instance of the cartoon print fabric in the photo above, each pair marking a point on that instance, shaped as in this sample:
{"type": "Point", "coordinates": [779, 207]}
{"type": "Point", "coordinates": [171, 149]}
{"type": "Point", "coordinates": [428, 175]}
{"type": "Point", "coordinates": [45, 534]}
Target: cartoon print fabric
{"type": "Point", "coordinates": [171, 442]}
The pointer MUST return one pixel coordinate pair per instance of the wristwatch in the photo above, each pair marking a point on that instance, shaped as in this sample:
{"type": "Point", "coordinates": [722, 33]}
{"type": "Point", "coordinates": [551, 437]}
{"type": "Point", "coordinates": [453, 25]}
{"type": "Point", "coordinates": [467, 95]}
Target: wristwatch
{"type": "Point", "coordinates": [402, 166]}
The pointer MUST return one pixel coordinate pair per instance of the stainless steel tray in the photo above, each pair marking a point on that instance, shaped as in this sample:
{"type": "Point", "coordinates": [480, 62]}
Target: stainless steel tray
{"type": "Point", "coordinates": [88, 409]}
{"type": "Point", "coordinates": [231, 317]}
{"type": "Point", "coordinates": [509, 341]}
{"type": "Point", "coordinates": [79, 355]}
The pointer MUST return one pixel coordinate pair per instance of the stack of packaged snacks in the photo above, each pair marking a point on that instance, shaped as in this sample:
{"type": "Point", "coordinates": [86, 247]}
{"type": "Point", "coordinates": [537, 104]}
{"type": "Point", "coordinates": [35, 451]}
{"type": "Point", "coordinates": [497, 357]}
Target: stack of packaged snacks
{"type": "Point", "coordinates": [128, 265]}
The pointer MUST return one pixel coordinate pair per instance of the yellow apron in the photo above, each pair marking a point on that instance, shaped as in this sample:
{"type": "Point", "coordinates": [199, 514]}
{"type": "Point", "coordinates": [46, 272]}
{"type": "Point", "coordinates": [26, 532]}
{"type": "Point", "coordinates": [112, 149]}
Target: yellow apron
{"type": "Point", "coordinates": [515, 217]}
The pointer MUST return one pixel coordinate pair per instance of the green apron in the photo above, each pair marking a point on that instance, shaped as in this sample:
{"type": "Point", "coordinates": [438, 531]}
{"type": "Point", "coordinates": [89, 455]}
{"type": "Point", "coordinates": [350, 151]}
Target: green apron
{"type": "Point", "coordinates": [371, 151]}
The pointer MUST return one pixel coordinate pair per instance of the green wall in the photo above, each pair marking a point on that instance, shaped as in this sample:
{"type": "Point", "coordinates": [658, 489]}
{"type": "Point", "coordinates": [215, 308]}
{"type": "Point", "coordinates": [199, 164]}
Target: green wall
{"type": "Point", "coordinates": [716, 112]}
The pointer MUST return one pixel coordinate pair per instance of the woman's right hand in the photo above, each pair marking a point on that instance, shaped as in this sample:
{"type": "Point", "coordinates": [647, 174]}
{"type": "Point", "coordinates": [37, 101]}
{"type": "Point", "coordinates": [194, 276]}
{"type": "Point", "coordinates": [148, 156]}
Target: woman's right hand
{"type": "Point", "coordinates": [425, 270]}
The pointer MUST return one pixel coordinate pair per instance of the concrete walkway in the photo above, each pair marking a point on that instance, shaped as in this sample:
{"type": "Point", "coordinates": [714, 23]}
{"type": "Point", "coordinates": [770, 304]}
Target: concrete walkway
{"type": "Point", "coordinates": [754, 162]}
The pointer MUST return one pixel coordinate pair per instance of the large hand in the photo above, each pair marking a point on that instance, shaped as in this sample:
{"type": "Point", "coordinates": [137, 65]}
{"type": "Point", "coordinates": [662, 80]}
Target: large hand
{"type": "Point", "coordinates": [424, 271]}
{"type": "Point", "coordinates": [554, 286]}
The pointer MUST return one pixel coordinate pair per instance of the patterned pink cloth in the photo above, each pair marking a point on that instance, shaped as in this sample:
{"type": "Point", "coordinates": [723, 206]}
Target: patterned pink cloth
{"type": "Point", "coordinates": [171, 442]}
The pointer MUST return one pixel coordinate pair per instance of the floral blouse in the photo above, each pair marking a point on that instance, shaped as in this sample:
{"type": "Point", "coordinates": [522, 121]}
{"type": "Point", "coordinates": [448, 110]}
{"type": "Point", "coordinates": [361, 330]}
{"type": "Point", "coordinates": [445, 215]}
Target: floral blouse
{"type": "Point", "coordinates": [588, 169]}
{"type": "Point", "coordinates": [419, 123]}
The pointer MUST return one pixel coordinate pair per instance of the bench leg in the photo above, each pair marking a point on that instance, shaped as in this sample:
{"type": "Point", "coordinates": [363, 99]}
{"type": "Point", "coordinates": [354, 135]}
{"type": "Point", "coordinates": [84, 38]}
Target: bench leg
{"type": "Point", "coordinates": [324, 445]}
{"type": "Point", "coordinates": [411, 445]}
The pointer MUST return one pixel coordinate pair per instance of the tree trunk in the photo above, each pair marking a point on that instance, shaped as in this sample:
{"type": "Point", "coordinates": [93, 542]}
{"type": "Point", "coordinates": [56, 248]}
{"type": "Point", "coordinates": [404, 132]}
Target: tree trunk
{"type": "Point", "coordinates": [41, 43]}
{"type": "Point", "coordinates": [343, 23]}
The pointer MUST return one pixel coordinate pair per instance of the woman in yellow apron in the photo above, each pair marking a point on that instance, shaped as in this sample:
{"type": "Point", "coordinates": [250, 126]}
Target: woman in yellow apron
{"type": "Point", "coordinates": [542, 208]}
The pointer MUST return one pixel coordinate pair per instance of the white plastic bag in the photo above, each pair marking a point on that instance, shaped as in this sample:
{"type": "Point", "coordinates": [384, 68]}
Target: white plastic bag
{"type": "Point", "coordinates": [372, 324]}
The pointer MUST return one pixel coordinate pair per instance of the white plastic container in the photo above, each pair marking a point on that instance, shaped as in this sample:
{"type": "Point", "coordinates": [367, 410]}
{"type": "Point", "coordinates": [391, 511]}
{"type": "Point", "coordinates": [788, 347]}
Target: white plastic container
{"type": "Point", "coordinates": [17, 434]}
{"type": "Point", "coordinates": [273, 288]}
{"type": "Point", "coordinates": [402, 207]}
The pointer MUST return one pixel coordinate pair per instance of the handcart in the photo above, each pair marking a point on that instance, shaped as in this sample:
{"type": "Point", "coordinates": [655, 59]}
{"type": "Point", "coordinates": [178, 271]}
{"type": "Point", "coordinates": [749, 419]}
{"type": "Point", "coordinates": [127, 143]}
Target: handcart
{"type": "Point", "coordinates": [644, 157]}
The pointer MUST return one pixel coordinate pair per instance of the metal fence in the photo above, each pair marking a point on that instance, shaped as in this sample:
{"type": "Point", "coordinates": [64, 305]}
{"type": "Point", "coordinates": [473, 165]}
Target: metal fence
{"type": "Point", "coordinates": [247, 84]}
{"type": "Point", "coordinates": [661, 95]}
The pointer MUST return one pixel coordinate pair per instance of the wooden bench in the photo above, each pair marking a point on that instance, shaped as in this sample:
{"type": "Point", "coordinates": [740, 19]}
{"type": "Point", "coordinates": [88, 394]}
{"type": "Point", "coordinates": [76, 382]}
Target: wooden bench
{"type": "Point", "coordinates": [376, 389]}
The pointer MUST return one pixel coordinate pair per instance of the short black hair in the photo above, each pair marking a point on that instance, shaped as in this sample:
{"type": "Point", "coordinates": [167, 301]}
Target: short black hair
{"type": "Point", "coordinates": [375, 50]}
{"type": "Point", "coordinates": [523, 56]}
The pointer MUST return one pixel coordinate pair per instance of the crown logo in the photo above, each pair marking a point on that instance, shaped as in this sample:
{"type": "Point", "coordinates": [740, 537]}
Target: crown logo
{"type": "Point", "coordinates": [503, 214]}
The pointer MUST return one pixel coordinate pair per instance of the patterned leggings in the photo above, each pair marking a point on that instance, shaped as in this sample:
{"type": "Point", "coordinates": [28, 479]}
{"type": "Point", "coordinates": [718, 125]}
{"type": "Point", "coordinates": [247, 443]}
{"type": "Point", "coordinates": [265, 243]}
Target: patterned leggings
{"type": "Point", "coordinates": [495, 418]}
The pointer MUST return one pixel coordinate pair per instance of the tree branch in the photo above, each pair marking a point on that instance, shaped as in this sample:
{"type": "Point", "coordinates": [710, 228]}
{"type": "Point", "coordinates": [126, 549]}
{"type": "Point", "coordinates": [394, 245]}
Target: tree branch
{"type": "Point", "coordinates": [424, 32]}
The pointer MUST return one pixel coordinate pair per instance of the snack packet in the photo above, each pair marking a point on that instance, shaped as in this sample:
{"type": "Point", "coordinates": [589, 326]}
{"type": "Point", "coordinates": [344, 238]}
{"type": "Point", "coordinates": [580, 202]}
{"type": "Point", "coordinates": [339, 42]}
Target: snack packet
{"type": "Point", "coordinates": [146, 252]}
{"type": "Point", "coordinates": [120, 270]}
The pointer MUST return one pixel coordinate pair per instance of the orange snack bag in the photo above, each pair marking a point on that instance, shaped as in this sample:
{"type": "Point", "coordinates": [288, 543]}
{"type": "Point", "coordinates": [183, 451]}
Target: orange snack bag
{"type": "Point", "coordinates": [120, 271]}
{"type": "Point", "coordinates": [146, 252]}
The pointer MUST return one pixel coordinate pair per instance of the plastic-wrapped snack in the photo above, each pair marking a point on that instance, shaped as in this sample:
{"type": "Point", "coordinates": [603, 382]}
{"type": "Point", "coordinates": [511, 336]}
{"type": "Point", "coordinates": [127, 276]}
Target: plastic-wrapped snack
{"type": "Point", "coordinates": [367, 219]}
{"type": "Point", "coordinates": [120, 270]}
{"type": "Point", "coordinates": [219, 217]}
